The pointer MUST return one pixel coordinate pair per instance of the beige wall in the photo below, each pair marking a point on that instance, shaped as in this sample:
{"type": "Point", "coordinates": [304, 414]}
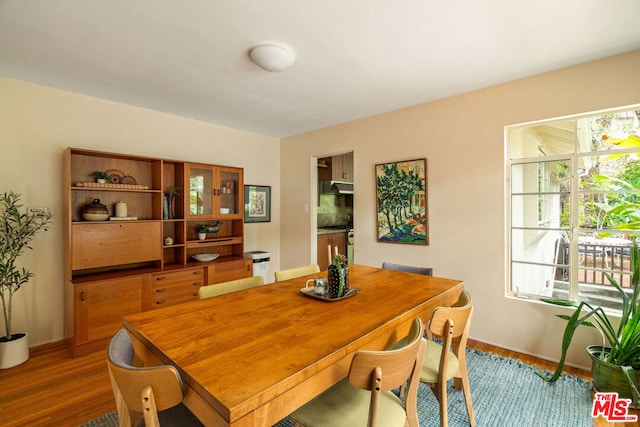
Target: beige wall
{"type": "Point", "coordinates": [462, 139]}
{"type": "Point", "coordinates": [37, 123]}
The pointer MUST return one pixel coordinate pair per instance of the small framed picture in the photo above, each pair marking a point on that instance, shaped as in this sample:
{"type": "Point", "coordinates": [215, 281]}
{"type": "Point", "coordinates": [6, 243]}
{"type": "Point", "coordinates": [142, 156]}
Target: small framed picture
{"type": "Point", "coordinates": [257, 203]}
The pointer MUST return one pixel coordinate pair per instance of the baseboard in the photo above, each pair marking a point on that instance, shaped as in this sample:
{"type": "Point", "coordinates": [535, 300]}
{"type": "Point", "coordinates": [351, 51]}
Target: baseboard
{"type": "Point", "coordinates": [46, 348]}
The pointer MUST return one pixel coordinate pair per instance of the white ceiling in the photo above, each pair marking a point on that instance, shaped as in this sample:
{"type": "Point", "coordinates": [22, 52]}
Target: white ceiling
{"type": "Point", "coordinates": [355, 58]}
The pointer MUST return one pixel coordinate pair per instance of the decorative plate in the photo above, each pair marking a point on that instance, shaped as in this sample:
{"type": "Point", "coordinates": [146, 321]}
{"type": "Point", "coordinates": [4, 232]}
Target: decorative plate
{"type": "Point", "coordinates": [205, 257]}
{"type": "Point", "coordinates": [309, 292]}
{"type": "Point", "coordinates": [119, 177]}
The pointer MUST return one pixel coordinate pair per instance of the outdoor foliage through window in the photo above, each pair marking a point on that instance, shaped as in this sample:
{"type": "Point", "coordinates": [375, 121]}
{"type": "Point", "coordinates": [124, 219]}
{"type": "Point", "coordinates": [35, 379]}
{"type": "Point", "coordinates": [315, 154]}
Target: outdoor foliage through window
{"type": "Point", "coordinates": [573, 188]}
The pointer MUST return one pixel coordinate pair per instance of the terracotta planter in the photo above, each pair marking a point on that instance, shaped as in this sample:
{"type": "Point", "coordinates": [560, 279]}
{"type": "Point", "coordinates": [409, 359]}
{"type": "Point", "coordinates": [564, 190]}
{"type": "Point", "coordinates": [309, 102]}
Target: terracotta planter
{"type": "Point", "coordinates": [14, 352]}
{"type": "Point", "coordinates": [609, 378]}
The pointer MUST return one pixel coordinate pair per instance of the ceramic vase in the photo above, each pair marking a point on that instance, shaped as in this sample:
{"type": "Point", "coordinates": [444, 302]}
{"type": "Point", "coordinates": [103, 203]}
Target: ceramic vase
{"type": "Point", "coordinates": [336, 276]}
{"type": "Point", "coordinates": [14, 352]}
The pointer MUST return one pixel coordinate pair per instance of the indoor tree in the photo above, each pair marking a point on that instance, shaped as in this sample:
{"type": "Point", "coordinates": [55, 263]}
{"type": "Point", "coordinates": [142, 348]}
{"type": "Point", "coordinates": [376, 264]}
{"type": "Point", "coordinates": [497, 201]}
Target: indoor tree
{"type": "Point", "coordinates": [16, 232]}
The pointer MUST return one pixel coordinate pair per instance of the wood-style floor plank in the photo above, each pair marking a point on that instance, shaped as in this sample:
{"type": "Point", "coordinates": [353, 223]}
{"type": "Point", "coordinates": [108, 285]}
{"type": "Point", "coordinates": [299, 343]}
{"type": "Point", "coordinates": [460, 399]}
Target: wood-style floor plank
{"type": "Point", "coordinates": [52, 389]}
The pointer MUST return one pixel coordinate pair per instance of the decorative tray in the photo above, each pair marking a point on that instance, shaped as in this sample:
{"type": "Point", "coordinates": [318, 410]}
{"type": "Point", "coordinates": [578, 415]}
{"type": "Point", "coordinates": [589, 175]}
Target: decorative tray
{"type": "Point", "coordinates": [309, 292]}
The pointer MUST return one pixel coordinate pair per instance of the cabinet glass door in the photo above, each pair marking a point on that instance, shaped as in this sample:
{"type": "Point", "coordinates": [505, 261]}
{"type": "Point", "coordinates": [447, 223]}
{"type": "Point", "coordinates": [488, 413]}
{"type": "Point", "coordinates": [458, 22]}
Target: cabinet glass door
{"type": "Point", "coordinates": [229, 191]}
{"type": "Point", "coordinates": [200, 191]}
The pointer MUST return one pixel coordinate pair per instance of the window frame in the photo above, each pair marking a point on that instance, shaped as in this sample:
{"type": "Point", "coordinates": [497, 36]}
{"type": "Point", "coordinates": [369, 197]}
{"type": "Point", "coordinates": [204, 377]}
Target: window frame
{"type": "Point", "coordinates": [545, 214]}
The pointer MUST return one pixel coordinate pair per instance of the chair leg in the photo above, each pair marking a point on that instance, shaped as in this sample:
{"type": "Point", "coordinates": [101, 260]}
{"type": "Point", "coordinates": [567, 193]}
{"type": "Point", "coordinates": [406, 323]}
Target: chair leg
{"type": "Point", "coordinates": [444, 418]}
{"type": "Point", "coordinates": [467, 394]}
{"type": "Point", "coordinates": [457, 383]}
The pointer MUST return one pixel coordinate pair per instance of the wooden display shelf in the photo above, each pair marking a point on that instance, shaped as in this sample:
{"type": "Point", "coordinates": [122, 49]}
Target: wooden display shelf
{"type": "Point", "coordinates": [218, 241]}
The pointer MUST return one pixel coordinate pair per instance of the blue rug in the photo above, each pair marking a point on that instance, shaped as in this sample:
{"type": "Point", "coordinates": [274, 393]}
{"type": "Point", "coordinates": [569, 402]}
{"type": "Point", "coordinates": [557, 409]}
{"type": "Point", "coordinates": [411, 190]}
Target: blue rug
{"type": "Point", "coordinates": [505, 393]}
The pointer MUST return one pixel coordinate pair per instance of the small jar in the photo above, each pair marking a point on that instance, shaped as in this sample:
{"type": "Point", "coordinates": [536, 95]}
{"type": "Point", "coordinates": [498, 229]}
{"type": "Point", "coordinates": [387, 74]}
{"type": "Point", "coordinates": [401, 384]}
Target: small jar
{"type": "Point", "coordinates": [121, 210]}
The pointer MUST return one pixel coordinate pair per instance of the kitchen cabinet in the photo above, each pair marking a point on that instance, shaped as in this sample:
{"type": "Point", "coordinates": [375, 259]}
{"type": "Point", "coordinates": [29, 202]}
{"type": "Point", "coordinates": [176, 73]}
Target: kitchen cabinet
{"type": "Point", "coordinates": [144, 261]}
{"type": "Point", "coordinates": [342, 168]}
{"type": "Point", "coordinates": [336, 168]}
{"type": "Point", "coordinates": [333, 238]}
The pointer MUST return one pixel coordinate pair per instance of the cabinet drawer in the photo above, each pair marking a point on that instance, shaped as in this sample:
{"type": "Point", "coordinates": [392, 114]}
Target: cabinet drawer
{"type": "Point", "coordinates": [109, 244]}
{"type": "Point", "coordinates": [176, 287]}
{"type": "Point", "coordinates": [231, 270]}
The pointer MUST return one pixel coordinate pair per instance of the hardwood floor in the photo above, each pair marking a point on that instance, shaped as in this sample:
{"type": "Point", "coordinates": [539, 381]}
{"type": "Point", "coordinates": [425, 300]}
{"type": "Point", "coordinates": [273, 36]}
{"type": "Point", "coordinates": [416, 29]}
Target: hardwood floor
{"type": "Point", "coordinates": [52, 389]}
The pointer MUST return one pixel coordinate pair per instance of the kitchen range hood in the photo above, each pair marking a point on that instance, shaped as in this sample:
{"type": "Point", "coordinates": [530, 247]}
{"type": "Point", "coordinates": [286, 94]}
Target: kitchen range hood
{"type": "Point", "coordinates": [336, 187]}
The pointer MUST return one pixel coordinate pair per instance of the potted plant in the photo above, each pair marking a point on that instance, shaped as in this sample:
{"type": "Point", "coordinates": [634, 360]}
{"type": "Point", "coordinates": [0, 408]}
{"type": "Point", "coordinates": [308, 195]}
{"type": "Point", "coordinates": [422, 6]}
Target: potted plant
{"type": "Point", "coordinates": [338, 275]}
{"type": "Point", "coordinates": [617, 360]}
{"type": "Point", "coordinates": [101, 177]}
{"type": "Point", "coordinates": [16, 232]}
{"type": "Point", "coordinates": [202, 231]}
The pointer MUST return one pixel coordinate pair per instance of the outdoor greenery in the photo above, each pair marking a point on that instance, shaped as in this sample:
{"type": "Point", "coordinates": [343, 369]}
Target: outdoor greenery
{"type": "Point", "coordinates": [614, 179]}
{"type": "Point", "coordinates": [16, 232]}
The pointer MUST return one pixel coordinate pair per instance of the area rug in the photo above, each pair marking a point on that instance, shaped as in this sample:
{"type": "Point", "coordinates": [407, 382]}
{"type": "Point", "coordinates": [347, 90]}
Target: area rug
{"type": "Point", "coordinates": [505, 392]}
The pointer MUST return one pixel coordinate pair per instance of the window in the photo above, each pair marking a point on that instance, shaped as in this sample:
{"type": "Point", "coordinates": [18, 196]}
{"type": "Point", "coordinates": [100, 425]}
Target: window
{"type": "Point", "coordinates": [573, 198]}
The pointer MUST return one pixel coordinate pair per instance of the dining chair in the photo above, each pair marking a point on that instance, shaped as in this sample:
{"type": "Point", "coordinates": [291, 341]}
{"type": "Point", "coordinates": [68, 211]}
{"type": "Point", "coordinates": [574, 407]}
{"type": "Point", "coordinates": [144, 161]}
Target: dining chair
{"type": "Point", "coordinates": [216, 289]}
{"type": "Point", "coordinates": [447, 360]}
{"type": "Point", "coordinates": [364, 397]}
{"type": "Point", "coordinates": [155, 392]}
{"type": "Point", "coordinates": [426, 271]}
{"type": "Point", "coordinates": [292, 273]}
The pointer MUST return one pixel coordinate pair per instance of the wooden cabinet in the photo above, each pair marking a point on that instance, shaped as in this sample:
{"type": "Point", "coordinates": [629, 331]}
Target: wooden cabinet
{"type": "Point", "coordinates": [214, 192]}
{"type": "Point", "coordinates": [170, 288]}
{"type": "Point", "coordinates": [144, 261]}
{"type": "Point", "coordinates": [336, 168]}
{"type": "Point", "coordinates": [103, 244]}
{"type": "Point", "coordinates": [338, 239]}
{"type": "Point", "coordinates": [239, 269]}
{"type": "Point", "coordinates": [342, 168]}
{"type": "Point", "coordinates": [215, 198]}
{"type": "Point", "coordinates": [99, 307]}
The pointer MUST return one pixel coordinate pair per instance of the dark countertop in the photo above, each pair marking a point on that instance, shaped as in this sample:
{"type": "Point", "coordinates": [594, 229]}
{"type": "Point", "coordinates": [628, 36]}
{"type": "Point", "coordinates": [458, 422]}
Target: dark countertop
{"type": "Point", "coordinates": [329, 230]}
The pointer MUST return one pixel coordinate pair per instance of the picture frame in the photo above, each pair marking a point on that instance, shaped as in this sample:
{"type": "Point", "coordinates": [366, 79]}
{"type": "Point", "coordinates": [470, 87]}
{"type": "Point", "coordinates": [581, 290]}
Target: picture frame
{"type": "Point", "coordinates": [401, 202]}
{"type": "Point", "coordinates": [257, 203]}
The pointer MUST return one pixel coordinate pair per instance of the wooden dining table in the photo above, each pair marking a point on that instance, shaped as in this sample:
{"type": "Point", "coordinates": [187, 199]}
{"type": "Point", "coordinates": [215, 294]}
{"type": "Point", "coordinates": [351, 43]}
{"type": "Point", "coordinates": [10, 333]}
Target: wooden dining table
{"type": "Point", "coordinates": [252, 357]}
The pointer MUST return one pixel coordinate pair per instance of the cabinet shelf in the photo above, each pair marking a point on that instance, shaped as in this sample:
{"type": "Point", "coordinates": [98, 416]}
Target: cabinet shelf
{"type": "Point", "coordinates": [128, 221]}
{"type": "Point", "coordinates": [219, 241]}
{"type": "Point", "coordinates": [118, 189]}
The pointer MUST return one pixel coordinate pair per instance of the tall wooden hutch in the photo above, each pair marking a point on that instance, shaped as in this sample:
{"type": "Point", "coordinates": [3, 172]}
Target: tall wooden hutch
{"type": "Point", "coordinates": [121, 266]}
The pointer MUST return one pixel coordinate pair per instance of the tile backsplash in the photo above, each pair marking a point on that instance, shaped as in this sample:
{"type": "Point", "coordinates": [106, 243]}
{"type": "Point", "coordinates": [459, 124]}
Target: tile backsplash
{"type": "Point", "coordinates": [335, 210]}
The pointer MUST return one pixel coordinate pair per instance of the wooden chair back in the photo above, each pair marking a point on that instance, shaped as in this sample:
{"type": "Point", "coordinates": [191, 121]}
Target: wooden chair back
{"type": "Point", "coordinates": [142, 390]}
{"type": "Point", "coordinates": [380, 371]}
{"type": "Point", "coordinates": [452, 325]}
{"type": "Point", "coordinates": [453, 322]}
{"type": "Point", "coordinates": [292, 273]}
{"type": "Point", "coordinates": [209, 291]}
{"type": "Point", "coordinates": [425, 271]}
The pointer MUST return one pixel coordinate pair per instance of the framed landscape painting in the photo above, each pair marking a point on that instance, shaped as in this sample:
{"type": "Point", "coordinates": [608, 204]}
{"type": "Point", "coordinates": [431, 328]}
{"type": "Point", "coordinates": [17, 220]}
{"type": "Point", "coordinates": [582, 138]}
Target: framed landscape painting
{"type": "Point", "coordinates": [257, 203]}
{"type": "Point", "coordinates": [401, 198]}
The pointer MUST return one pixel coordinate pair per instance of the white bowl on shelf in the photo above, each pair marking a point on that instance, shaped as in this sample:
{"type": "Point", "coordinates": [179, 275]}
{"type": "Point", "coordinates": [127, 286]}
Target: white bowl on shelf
{"type": "Point", "coordinates": [225, 211]}
{"type": "Point", "coordinates": [205, 257]}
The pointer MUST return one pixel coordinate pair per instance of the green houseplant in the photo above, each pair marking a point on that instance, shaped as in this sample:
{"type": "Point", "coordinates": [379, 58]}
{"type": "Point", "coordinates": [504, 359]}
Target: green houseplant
{"type": "Point", "coordinates": [622, 354]}
{"type": "Point", "coordinates": [102, 176]}
{"type": "Point", "coordinates": [16, 232]}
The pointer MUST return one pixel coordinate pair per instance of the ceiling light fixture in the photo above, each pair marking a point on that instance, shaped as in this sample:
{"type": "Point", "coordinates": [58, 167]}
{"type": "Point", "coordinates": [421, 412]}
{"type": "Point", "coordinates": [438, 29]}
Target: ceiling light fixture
{"type": "Point", "coordinates": [272, 57]}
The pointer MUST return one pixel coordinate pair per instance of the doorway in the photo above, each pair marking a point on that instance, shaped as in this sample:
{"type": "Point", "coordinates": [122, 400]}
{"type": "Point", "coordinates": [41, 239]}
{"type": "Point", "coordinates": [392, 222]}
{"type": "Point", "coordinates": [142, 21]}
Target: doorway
{"type": "Point", "coordinates": [334, 208]}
